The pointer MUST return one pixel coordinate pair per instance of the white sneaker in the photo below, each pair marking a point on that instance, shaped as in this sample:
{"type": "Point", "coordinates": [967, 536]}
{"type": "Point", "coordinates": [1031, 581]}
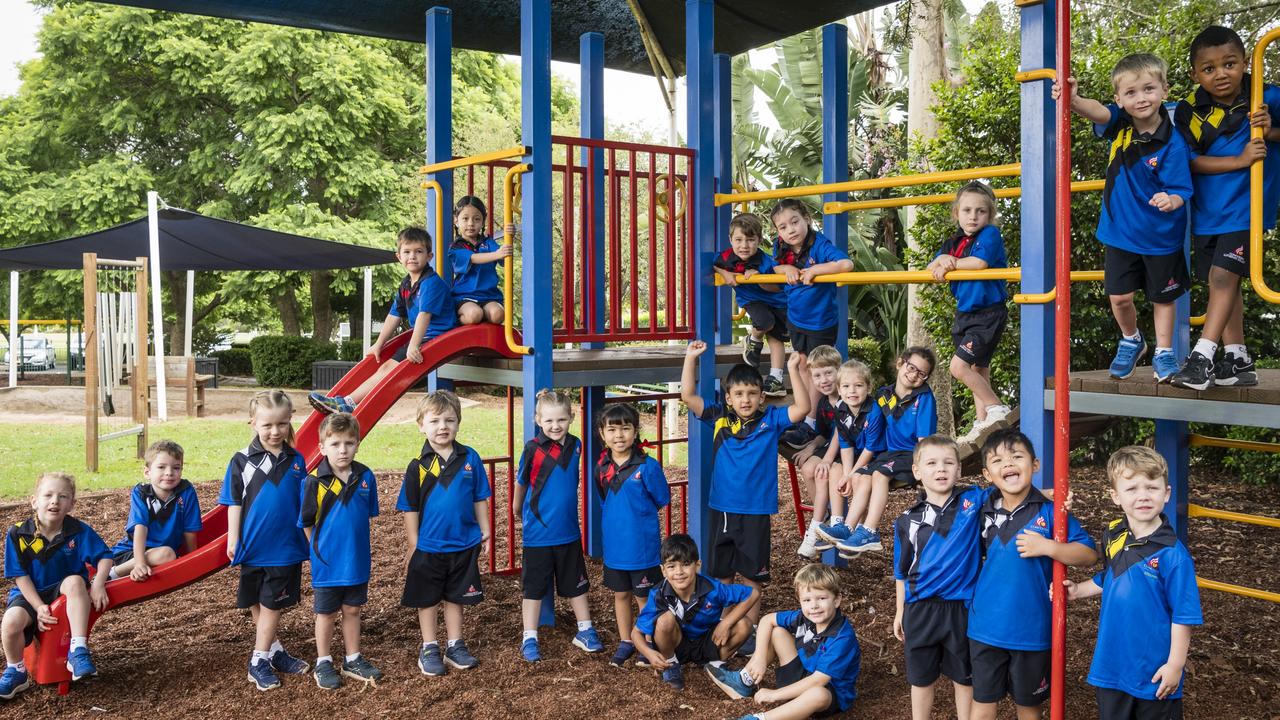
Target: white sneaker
{"type": "Point", "coordinates": [997, 414]}
{"type": "Point", "coordinates": [972, 435]}
{"type": "Point", "coordinates": [807, 549]}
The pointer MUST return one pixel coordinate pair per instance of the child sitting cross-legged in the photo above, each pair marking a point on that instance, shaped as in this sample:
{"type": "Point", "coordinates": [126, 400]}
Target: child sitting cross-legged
{"type": "Point", "coordinates": [811, 445]}
{"type": "Point", "coordinates": [164, 515]}
{"type": "Point", "coordinates": [860, 430]}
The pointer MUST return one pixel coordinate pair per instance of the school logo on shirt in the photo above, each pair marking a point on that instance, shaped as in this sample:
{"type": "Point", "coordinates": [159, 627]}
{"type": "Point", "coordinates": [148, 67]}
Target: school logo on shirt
{"type": "Point", "coordinates": [965, 505]}
{"type": "Point", "coordinates": [297, 467]}
{"type": "Point", "coordinates": [1152, 162]}
{"type": "Point", "coordinates": [1040, 522]}
{"type": "Point", "coordinates": [1153, 562]}
{"type": "Point", "coordinates": [71, 544]}
{"type": "Point", "coordinates": [467, 467]}
{"type": "Point", "coordinates": [364, 484]}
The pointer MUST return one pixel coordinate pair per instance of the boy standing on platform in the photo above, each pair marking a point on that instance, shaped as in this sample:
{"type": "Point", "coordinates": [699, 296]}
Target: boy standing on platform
{"type": "Point", "coordinates": [766, 305]}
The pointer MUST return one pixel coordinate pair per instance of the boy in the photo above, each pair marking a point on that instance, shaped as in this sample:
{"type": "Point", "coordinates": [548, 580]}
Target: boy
{"type": "Point", "coordinates": [744, 480]}
{"type": "Point", "coordinates": [811, 445]}
{"type": "Point", "coordinates": [424, 299]}
{"type": "Point", "coordinates": [685, 619]}
{"type": "Point", "coordinates": [1149, 596]}
{"type": "Point", "coordinates": [1143, 222]}
{"type": "Point", "coordinates": [766, 305]}
{"type": "Point", "coordinates": [444, 499]}
{"type": "Point", "coordinates": [46, 557]}
{"type": "Point", "coordinates": [817, 652]}
{"type": "Point", "coordinates": [1009, 618]}
{"type": "Point", "coordinates": [338, 499]}
{"type": "Point", "coordinates": [164, 515]}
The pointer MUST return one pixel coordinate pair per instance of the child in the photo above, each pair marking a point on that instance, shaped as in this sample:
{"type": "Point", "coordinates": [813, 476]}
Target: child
{"type": "Point", "coordinates": [685, 619]}
{"type": "Point", "coordinates": [46, 557]}
{"type": "Point", "coordinates": [802, 254]}
{"type": "Point", "coordinates": [860, 429]}
{"type": "Point", "coordinates": [766, 305]}
{"type": "Point", "coordinates": [340, 497]}
{"type": "Point", "coordinates": [1009, 618]}
{"type": "Point", "coordinates": [164, 515]}
{"type": "Point", "coordinates": [910, 413]}
{"type": "Point", "coordinates": [1149, 596]}
{"type": "Point", "coordinates": [262, 491]}
{"type": "Point", "coordinates": [1143, 223]}
{"type": "Point", "coordinates": [423, 299]}
{"type": "Point", "coordinates": [475, 260]}
{"type": "Point", "coordinates": [814, 457]}
{"type": "Point", "coordinates": [816, 649]}
{"type": "Point", "coordinates": [633, 488]}
{"type": "Point", "coordinates": [744, 481]}
{"type": "Point", "coordinates": [1217, 123]}
{"type": "Point", "coordinates": [547, 495]}
{"type": "Point", "coordinates": [980, 310]}
{"type": "Point", "coordinates": [444, 499]}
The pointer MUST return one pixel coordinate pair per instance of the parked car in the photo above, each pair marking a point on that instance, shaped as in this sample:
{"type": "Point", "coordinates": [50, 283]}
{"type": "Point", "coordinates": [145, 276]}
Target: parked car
{"type": "Point", "coordinates": [37, 354]}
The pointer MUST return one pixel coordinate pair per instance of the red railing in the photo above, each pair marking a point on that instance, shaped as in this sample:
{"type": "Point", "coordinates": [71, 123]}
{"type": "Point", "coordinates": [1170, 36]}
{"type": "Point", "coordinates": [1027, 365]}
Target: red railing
{"type": "Point", "coordinates": [491, 465]}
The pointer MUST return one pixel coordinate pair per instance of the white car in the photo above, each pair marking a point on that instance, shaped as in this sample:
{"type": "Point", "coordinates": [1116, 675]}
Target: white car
{"type": "Point", "coordinates": [37, 354]}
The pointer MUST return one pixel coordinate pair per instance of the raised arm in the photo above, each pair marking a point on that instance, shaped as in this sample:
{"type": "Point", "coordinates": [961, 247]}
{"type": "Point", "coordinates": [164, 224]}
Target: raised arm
{"type": "Point", "coordinates": [1088, 108]}
{"type": "Point", "coordinates": [689, 379]}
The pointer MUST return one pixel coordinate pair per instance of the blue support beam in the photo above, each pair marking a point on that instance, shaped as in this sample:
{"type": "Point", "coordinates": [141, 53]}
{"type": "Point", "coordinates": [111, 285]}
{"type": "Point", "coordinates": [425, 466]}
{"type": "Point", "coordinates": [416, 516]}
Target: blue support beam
{"type": "Point", "coordinates": [439, 127]}
{"type": "Point", "coordinates": [835, 155]}
{"type": "Point", "coordinates": [591, 125]}
{"type": "Point", "coordinates": [722, 84]}
{"type": "Point", "coordinates": [1173, 437]}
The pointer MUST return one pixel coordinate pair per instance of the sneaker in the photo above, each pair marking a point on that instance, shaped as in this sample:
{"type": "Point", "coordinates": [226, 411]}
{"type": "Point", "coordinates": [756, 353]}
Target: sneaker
{"type": "Point", "coordinates": [641, 661]}
{"type": "Point", "coordinates": [261, 675]}
{"type": "Point", "coordinates": [13, 682]}
{"type": "Point", "coordinates": [361, 669]}
{"type": "Point", "coordinates": [1196, 373]}
{"type": "Point", "coordinates": [588, 641]}
{"type": "Point", "coordinates": [808, 545]}
{"type": "Point", "coordinates": [1164, 365]}
{"type": "Point", "coordinates": [460, 657]}
{"type": "Point", "coordinates": [1128, 353]}
{"type": "Point", "coordinates": [972, 435]}
{"type": "Point", "coordinates": [748, 647]}
{"type": "Point", "coordinates": [674, 676]}
{"type": "Point", "coordinates": [832, 535]}
{"type": "Point", "coordinates": [996, 414]}
{"type": "Point", "coordinates": [327, 677]}
{"type": "Point", "coordinates": [283, 662]}
{"type": "Point", "coordinates": [862, 540]}
{"type": "Point", "coordinates": [530, 650]}
{"type": "Point", "coordinates": [80, 664]}
{"type": "Point", "coordinates": [1232, 371]}
{"type": "Point", "coordinates": [624, 653]}
{"type": "Point", "coordinates": [751, 349]}
{"type": "Point", "coordinates": [731, 682]}
{"type": "Point", "coordinates": [430, 662]}
{"type": "Point", "coordinates": [798, 435]}
{"type": "Point", "coordinates": [329, 405]}
{"type": "Point", "coordinates": [773, 387]}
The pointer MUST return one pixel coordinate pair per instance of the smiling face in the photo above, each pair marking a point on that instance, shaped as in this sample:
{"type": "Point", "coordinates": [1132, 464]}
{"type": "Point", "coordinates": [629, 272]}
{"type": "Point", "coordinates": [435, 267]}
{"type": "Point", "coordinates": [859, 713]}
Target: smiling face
{"type": "Point", "coordinates": [553, 419]}
{"type": "Point", "coordinates": [745, 400]}
{"type": "Point", "coordinates": [272, 427]}
{"type": "Point", "coordinates": [819, 606]}
{"type": "Point", "coordinates": [52, 501]}
{"type": "Point", "coordinates": [1140, 496]}
{"type": "Point", "coordinates": [1009, 467]}
{"type": "Point", "coordinates": [744, 246]}
{"type": "Point", "coordinates": [682, 576]}
{"type": "Point", "coordinates": [440, 427]}
{"type": "Point", "coordinates": [414, 256]}
{"type": "Point", "coordinates": [619, 438]}
{"type": "Point", "coordinates": [1219, 69]}
{"type": "Point", "coordinates": [339, 448]}
{"type": "Point", "coordinates": [854, 387]}
{"type": "Point", "coordinates": [1140, 93]}
{"type": "Point", "coordinates": [824, 379]}
{"type": "Point", "coordinates": [470, 223]}
{"type": "Point", "coordinates": [972, 212]}
{"type": "Point", "coordinates": [913, 372]}
{"type": "Point", "coordinates": [937, 468]}
{"type": "Point", "coordinates": [164, 472]}
{"type": "Point", "coordinates": [792, 226]}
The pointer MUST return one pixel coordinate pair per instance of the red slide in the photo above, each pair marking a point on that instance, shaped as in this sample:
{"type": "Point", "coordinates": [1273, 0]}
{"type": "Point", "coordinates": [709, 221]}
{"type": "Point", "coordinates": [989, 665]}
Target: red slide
{"type": "Point", "coordinates": [47, 656]}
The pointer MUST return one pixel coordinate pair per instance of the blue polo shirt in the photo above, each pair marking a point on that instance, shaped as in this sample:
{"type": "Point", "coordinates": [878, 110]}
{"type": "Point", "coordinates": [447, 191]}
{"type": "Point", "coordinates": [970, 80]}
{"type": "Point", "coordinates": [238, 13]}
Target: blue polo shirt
{"type": "Point", "coordinates": [550, 472]}
{"type": "Point", "coordinates": [1147, 585]}
{"type": "Point", "coordinates": [908, 419]}
{"type": "Point", "coordinates": [430, 294]}
{"type": "Point", "coordinates": [1011, 607]}
{"type": "Point", "coordinates": [632, 494]}
{"type": "Point", "coordinates": [474, 281]}
{"type": "Point", "coordinates": [1221, 201]}
{"type": "Point", "coordinates": [700, 614]}
{"type": "Point", "coordinates": [744, 475]}
{"type": "Point", "coordinates": [269, 490]}
{"type": "Point", "coordinates": [862, 429]}
{"type": "Point", "coordinates": [936, 552]}
{"type": "Point", "coordinates": [50, 561]}
{"type": "Point", "coordinates": [810, 307]}
{"type": "Point", "coordinates": [338, 514]}
{"type": "Point", "coordinates": [166, 521]}
{"type": "Point", "coordinates": [988, 245]}
{"type": "Point", "coordinates": [444, 493]}
{"type": "Point", "coordinates": [748, 293]}
{"type": "Point", "coordinates": [1141, 165]}
{"type": "Point", "coordinates": [834, 652]}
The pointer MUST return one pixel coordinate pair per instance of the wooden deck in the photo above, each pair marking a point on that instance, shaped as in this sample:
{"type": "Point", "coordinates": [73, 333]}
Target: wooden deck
{"type": "Point", "coordinates": [1140, 396]}
{"type": "Point", "coordinates": [609, 366]}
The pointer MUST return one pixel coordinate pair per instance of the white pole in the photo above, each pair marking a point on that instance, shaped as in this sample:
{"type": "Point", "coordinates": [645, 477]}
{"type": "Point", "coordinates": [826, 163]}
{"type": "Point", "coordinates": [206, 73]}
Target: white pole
{"type": "Point", "coordinates": [191, 307]}
{"type": "Point", "coordinates": [368, 308]}
{"type": "Point", "coordinates": [153, 234]}
{"type": "Point", "coordinates": [14, 351]}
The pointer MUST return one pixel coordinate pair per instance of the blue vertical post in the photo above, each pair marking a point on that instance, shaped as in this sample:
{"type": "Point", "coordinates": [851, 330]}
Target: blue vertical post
{"type": "Point", "coordinates": [1038, 147]}
{"type": "Point", "coordinates": [700, 131]}
{"type": "Point", "coordinates": [722, 84]}
{"type": "Point", "coordinates": [1173, 437]}
{"type": "Point", "coordinates": [439, 118]}
{"type": "Point", "coordinates": [835, 155]}
{"type": "Point", "coordinates": [591, 125]}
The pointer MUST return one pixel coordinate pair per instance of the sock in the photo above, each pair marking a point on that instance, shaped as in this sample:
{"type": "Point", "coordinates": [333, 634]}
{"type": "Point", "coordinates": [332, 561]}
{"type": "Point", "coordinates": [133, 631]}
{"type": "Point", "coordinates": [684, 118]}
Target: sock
{"type": "Point", "coordinates": [868, 528]}
{"type": "Point", "coordinates": [529, 635]}
{"type": "Point", "coordinates": [775, 372]}
{"type": "Point", "coordinates": [673, 660]}
{"type": "Point", "coordinates": [584, 625]}
{"type": "Point", "coordinates": [1237, 350]}
{"type": "Point", "coordinates": [324, 659]}
{"type": "Point", "coordinates": [426, 645]}
{"type": "Point", "coordinates": [746, 677]}
{"type": "Point", "coordinates": [453, 642]}
{"type": "Point", "coordinates": [261, 655]}
{"type": "Point", "coordinates": [1135, 336]}
{"type": "Point", "coordinates": [836, 520]}
{"type": "Point", "coordinates": [1206, 348]}
{"type": "Point", "coordinates": [813, 524]}
{"type": "Point", "coordinates": [1163, 350]}
{"type": "Point", "coordinates": [275, 648]}
{"type": "Point", "coordinates": [811, 422]}
{"type": "Point", "coordinates": [353, 657]}
{"type": "Point", "coordinates": [79, 642]}
{"type": "Point", "coordinates": [20, 666]}
{"type": "Point", "coordinates": [113, 575]}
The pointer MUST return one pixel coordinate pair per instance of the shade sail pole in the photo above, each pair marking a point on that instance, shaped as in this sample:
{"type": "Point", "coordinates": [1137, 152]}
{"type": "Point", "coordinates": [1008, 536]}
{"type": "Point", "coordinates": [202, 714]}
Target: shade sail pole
{"type": "Point", "coordinates": [153, 236]}
{"type": "Point", "coordinates": [191, 310]}
{"type": "Point", "coordinates": [368, 309]}
{"type": "Point", "coordinates": [14, 350]}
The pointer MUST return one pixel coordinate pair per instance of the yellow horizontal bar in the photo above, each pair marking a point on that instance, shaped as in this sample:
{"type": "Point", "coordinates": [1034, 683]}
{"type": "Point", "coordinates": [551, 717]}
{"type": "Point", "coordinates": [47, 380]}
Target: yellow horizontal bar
{"type": "Point", "coordinates": [1209, 441]}
{"type": "Point", "coordinates": [1052, 294]}
{"type": "Point", "coordinates": [1238, 590]}
{"type": "Point", "coordinates": [1040, 74]}
{"type": "Point", "coordinates": [1010, 170]}
{"type": "Point", "coordinates": [507, 154]}
{"type": "Point", "coordinates": [909, 277]}
{"type": "Point", "coordinates": [1026, 3]}
{"type": "Point", "coordinates": [40, 322]}
{"type": "Point", "coordinates": [1194, 510]}
{"type": "Point", "coordinates": [832, 208]}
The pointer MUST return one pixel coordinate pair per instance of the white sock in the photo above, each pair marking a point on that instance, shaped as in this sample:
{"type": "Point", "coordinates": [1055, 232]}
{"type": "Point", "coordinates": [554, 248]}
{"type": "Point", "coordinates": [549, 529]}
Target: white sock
{"type": "Point", "coordinates": [868, 528]}
{"type": "Point", "coordinates": [673, 660]}
{"type": "Point", "coordinates": [454, 641]}
{"type": "Point", "coordinates": [775, 372]}
{"type": "Point", "coordinates": [113, 575]}
{"type": "Point", "coordinates": [1237, 350]}
{"type": "Point", "coordinates": [426, 645]}
{"type": "Point", "coordinates": [275, 648]}
{"type": "Point", "coordinates": [1163, 350]}
{"type": "Point", "coordinates": [260, 655]}
{"type": "Point", "coordinates": [1207, 348]}
{"type": "Point", "coordinates": [811, 422]}
{"type": "Point", "coordinates": [324, 659]}
{"type": "Point", "coordinates": [79, 642]}
{"type": "Point", "coordinates": [836, 520]}
{"type": "Point", "coordinates": [20, 666]}
{"type": "Point", "coordinates": [584, 625]}
{"type": "Point", "coordinates": [529, 635]}
{"type": "Point", "coordinates": [746, 677]}
{"type": "Point", "coordinates": [1135, 336]}
{"type": "Point", "coordinates": [353, 657]}
{"type": "Point", "coordinates": [813, 524]}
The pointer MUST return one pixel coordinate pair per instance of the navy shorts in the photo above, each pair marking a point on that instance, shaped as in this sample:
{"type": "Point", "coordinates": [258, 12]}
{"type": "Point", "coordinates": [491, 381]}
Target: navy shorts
{"type": "Point", "coordinates": [976, 334]}
{"type": "Point", "coordinates": [794, 672]}
{"type": "Point", "coordinates": [274, 588]}
{"type": "Point", "coordinates": [894, 463]}
{"type": "Point", "coordinates": [740, 545]}
{"type": "Point", "coordinates": [803, 341]}
{"type": "Point", "coordinates": [1119, 705]}
{"type": "Point", "coordinates": [563, 563]}
{"type": "Point", "coordinates": [480, 300]}
{"type": "Point", "coordinates": [330, 600]}
{"type": "Point", "coordinates": [636, 582]}
{"type": "Point", "coordinates": [122, 557]}
{"type": "Point", "coordinates": [937, 641]}
{"type": "Point", "coordinates": [1023, 674]}
{"type": "Point", "coordinates": [1163, 278]}
{"type": "Point", "coordinates": [450, 576]}
{"type": "Point", "coordinates": [698, 651]}
{"type": "Point", "coordinates": [770, 320]}
{"type": "Point", "coordinates": [1229, 251]}
{"type": "Point", "coordinates": [47, 595]}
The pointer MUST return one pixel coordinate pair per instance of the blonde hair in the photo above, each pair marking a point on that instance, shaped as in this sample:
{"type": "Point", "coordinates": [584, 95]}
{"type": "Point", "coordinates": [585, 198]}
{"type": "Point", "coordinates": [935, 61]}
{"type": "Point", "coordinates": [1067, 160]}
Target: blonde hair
{"type": "Point", "coordinates": [854, 367]}
{"type": "Point", "coordinates": [438, 402]}
{"type": "Point", "coordinates": [168, 447]}
{"type": "Point", "coordinates": [1138, 64]}
{"type": "Point", "coordinates": [550, 397]}
{"type": "Point", "coordinates": [977, 187]}
{"type": "Point", "coordinates": [937, 440]}
{"type": "Point", "coordinates": [824, 356]}
{"type": "Point", "coordinates": [67, 478]}
{"type": "Point", "coordinates": [340, 424]}
{"type": "Point", "coordinates": [816, 576]}
{"type": "Point", "coordinates": [1133, 459]}
{"type": "Point", "coordinates": [270, 400]}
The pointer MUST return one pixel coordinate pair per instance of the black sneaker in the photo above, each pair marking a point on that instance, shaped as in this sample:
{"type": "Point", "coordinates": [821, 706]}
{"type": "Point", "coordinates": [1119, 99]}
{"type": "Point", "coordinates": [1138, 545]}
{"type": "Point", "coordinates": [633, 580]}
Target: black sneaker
{"type": "Point", "coordinates": [1232, 371]}
{"type": "Point", "coordinates": [1196, 373]}
{"type": "Point", "coordinates": [751, 349]}
{"type": "Point", "coordinates": [773, 387]}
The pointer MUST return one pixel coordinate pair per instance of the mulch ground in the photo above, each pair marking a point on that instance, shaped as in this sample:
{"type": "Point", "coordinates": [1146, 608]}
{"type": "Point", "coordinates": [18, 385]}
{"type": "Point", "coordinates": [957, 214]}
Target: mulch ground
{"type": "Point", "coordinates": [185, 654]}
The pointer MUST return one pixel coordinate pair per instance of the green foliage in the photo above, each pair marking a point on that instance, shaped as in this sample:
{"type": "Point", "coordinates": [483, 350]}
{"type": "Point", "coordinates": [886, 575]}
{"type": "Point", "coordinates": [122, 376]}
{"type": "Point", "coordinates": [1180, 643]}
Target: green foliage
{"type": "Point", "coordinates": [285, 360]}
{"type": "Point", "coordinates": [234, 361]}
{"type": "Point", "coordinates": [351, 350]}
{"type": "Point", "coordinates": [873, 354]}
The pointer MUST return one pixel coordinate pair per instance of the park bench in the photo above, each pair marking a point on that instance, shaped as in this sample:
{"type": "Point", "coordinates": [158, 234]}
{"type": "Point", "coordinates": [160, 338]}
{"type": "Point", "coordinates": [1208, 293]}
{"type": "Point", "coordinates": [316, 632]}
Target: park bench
{"type": "Point", "coordinates": [181, 372]}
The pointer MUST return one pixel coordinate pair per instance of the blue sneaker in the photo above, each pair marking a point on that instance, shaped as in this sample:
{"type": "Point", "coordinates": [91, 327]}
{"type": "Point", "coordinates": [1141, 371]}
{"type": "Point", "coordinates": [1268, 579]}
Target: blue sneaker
{"type": "Point", "coordinates": [329, 405]}
{"type": "Point", "coordinates": [13, 682]}
{"type": "Point", "coordinates": [1165, 366]}
{"type": "Point", "coordinates": [731, 682]}
{"type": "Point", "coordinates": [625, 651]}
{"type": "Point", "coordinates": [862, 540]}
{"type": "Point", "coordinates": [430, 662]}
{"type": "Point", "coordinates": [1128, 353]}
{"type": "Point", "coordinates": [530, 650]}
{"type": "Point", "coordinates": [80, 664]}
{"type": "Point", "coordinates": [832, 535]}
{"type": "Point", "coordinates": [261, 675]}
{"type": "Point", "coordinates": [674, 676]}
{"type": "Point", "coordinates": [460, 657]}
{"type": "Point", "coordinates": [282, 661]}
{"type": "Point", "coordinates": [588, 641]}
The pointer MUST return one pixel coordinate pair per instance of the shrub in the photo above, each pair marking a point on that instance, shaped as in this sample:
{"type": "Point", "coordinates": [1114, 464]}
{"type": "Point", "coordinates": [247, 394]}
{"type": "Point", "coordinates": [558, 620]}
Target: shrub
{"type": "Point", "coordinates": [871, 352]}
{"type": "Point", "coordinates": [234, 361]}
{"type": "Point", "coordinates": [351, 350]}
{"type": "Point", "coordinates": [285, 361]}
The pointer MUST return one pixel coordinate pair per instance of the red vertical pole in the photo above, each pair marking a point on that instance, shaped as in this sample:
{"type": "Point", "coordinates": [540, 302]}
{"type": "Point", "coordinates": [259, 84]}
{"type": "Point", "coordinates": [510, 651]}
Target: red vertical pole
{"type": "Point", "coordinates": [671, 243]}
{"type": "Point", "coordinates": [589, 312]}
{"type": "Point", "coordinates": [653, 238]}
{"type": "Point", "coordinates": [690, 276]}
{"type": "Point", "coordinates": [488, 178]}
{"type": "Point", "coordinates": [684, 508]}
{"type": "Point", "coordinates": [569, 260]}
{"type": "Point", "coordinates": [615, 246]}
{"type": "Point", "coordinates": [493, 519]}
{"type": "Point", "coordinates": [634, 292]}
{"type": "Point", "coordinates": [795, 497]}
{"type": "Point", "coordinates": [511, 480]}
{"type": "Point", "coordinates": [658, 407]}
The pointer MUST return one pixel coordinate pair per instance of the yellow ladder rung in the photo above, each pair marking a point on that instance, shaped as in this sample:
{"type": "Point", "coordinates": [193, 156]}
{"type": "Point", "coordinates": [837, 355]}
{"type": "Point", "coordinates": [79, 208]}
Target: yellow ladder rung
{"type": "Point", "coordinates": [1238, 590]}
{"type": "Point", "coordinates": [1194, 510]}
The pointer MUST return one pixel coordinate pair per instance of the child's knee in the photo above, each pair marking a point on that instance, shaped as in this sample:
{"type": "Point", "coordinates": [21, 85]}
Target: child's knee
{"type": "Point", "coordinates": [14, 622]}
{"type": "Point", "coordinates": [163, 554]}
{"type": "Point", "coordinates": [960, 368]}
{"type": "Point", "coordinates": [73, 586]}
{"type": "Point", "coordinates": [1223, 280]}
{"type": "Point", "coordinates": [350, 611]}
{"type": "Point", "coordinates": [494, 312]}
{"type": "Point", "coordinates": [1121, 300]}
{"type": "Point", "coordinates": [470, 314]}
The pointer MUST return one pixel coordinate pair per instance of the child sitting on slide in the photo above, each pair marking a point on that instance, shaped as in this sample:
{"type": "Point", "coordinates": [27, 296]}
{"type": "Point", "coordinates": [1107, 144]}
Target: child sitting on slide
{"type": "Point", "coordinates": [475, 259]}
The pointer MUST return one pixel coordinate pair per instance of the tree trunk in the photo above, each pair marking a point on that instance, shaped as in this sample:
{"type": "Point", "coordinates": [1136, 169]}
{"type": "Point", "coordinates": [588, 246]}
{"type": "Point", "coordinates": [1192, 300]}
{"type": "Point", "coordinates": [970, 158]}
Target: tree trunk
{"type": "Point", "coordinates": [321, 310]}
{"type": "Point", "coordinates": [287, 304]}
{"type": "Point", "coordinates": [176, 285]}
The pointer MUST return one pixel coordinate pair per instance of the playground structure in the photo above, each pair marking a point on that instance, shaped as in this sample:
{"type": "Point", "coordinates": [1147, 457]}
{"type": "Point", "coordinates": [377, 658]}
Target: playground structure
{"type": "Point", "coordinates": [115, 353]}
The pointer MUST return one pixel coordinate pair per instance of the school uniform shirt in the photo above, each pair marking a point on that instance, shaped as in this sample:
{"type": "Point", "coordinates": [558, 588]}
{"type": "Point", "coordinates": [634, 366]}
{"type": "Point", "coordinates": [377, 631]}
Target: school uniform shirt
{"type": "Point", "coordinates": [268, 488]}
{"type": "Point", "coordinates": [474, 281]}
{"type": "Point", "coordinates": [936, 552]}
{"type": "Point", "coordinates": [907, 419]}
{"type": "Point", "coordinates": [700, 614]}
{"type": "Point", "coordinates": [1147, 585]}
{"type": "Point", "coordinates": [744, 475]}
{"type": "Point", "coordinates": [444, 493]}
{"type": "Point", "coordinates": [1141, 165]}
{"type": "Point", "coordinates": [862, 429]}
{"type": "Point", "coordinates": [338, 514]}
{"type": "Point", "coordinates": [632, 494]}
{"type": "Point", "coordinates": [166, 521]}
{"type": "Point", "coordinates": [748, 293]}
{"type": "Point", "coordinates": [810, 307]}
{"type": "Point", "coordinates": [429, 294]}
{"type": "Point", "coordinates": [550, 472]}
{"type": "Point", "coordinates": [834, 652]}
{"type": "Point", "coordinates": [988, 245]}
{"type": "Point", "coordinates": [1221, 201]}
{"type": "Point", "coordinates": [1011, 607]}
{"type": "Point", "coordinates": [50, 561]}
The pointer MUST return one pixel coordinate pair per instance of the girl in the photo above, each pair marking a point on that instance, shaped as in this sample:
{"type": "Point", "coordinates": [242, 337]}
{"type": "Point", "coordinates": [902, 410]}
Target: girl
{"type": "Point", "coordinates": [802, 254]}
{"type": "Point", "coordinates": [263, 491]}
{"type": "Point", "coordinates": [980, 304]}
{"type": "Point", "coordinates": [547, 493]}
{"type": "Point", "coordinates": [475, 259]}
{"type": "Point", "coordinates": [860, 430]}
{"type": "Point", "coordinates": [633, 488]}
